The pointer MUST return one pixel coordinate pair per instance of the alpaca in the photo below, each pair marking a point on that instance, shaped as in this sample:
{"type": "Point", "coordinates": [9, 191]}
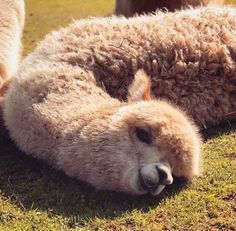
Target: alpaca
{"type": "Point", "coordinates": [81, 103]}
{"type": "Point", "coordinates": [135, 147]}
{"type": "Point", "coordinates": [189, 56]}
{"type": "Point", "coordinates": [11, 27]}
{"type": "Point", "coordinates": [129, 8]}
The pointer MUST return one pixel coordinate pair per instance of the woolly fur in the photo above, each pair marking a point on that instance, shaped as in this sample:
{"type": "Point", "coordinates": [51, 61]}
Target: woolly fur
{"type": "Point", "coordinates": [190, 56]}
{"type": "Point", "coordinates": [11, 25]}
{"type": "Point", "coordinates": [63, 105]}
{"type": "Point", "coordinates": [12, 16]}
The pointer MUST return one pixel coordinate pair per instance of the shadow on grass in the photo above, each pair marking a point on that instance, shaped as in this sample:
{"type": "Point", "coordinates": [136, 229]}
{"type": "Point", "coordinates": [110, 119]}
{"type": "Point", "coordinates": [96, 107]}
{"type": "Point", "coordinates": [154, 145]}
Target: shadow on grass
{"type": "Point", "coordinates": [219, 130]}
{"type": "Point", "coordinates": [31, 184]}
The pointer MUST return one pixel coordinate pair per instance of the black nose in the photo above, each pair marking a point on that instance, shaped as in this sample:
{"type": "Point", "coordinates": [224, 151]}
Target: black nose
{"type": "Point", "coordinates": [152, 175]}
{"type": "Point", "coordinates": [164, 178]}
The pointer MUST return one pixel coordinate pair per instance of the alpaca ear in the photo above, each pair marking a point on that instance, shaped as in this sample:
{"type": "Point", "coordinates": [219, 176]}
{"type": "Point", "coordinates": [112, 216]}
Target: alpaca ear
{"type": "Point", "coordinates": [140, 89]}
{"type": "Point", "coordinates": [3, 79]}
{"type": "Point", "coordinates": [3, 72]}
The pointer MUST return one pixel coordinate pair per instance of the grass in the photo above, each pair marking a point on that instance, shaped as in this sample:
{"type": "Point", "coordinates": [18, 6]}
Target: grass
{"type": "Point", "coordinates": [35, 197]}
{"type": "Point", "coordinates": [43, 16]}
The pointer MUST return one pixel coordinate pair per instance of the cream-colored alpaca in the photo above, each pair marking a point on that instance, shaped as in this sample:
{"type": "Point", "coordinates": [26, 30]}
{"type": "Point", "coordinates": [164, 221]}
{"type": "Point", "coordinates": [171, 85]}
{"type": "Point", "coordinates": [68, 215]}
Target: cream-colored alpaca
{"type": "Point", "coordinates": [131, 7]}
{"type": "Point", "coordinates": [57, 109]}
{"type": "Point", "coordinates": [11, 26]}
{"type": "Point", "coordinates": [55, 112]}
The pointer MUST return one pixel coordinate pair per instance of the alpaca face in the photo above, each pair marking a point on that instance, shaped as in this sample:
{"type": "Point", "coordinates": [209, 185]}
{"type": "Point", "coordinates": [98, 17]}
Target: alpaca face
{"type": "Point", "coordinates": [135, 147]}
{"type": "Point", "coordinates": [141, 146]}
{"type": "Point", "coordinates": [163, 143]}
{"type": "Point", "coordinates": [153, 171]}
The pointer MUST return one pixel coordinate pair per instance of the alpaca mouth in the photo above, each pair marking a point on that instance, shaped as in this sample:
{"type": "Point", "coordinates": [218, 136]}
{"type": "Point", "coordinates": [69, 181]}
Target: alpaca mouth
{"type": "Point", "coordinates": [154, 177]}
{"type": "Point", "coordinates": [153, 190]}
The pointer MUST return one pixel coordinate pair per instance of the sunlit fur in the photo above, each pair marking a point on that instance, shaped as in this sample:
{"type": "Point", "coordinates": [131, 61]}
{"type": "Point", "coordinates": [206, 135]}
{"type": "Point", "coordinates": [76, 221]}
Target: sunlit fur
{"type": "Point", "coordinates": [12, 16]}
{"type": "Point", "coordinates": [57, 113]}
{"type": "Point", "coordinates": [11, 26]}
{"type": "Point", "coordinates": [57, 107]}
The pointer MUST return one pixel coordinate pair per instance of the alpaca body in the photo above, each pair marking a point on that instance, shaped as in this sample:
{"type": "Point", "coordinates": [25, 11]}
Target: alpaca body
{"type": "Point", "coordinates": [189, 55]}
{"type": "Point", "coordinates": [66, 120]}
{"type": "Point", "coordinates": [59, 106]}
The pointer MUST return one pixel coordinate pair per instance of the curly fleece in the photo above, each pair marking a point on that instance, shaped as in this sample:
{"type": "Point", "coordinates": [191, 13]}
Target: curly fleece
{"type": "Point", "coordinates": [57, 107]}
{"type": "Point", "coordinates": [190, 56]}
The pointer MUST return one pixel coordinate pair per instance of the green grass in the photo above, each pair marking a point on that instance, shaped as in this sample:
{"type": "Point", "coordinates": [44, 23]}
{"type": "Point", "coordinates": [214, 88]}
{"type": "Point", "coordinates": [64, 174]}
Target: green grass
{"type": "Point", "coordinates": [45, 15]}
{"type": "Point", "coordinates": [35, 197]}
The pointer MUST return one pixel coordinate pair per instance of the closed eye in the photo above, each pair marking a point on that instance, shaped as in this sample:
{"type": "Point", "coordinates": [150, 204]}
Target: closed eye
{"type": "Point", "coordinates": [143, 135]}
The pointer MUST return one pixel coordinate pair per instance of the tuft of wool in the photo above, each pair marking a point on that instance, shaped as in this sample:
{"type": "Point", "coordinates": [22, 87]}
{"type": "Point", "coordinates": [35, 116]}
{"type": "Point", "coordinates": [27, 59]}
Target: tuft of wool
{"type": "Point", "coordinates": [11, 27]}
{"type": "Point", "coordinates": [190, 56]}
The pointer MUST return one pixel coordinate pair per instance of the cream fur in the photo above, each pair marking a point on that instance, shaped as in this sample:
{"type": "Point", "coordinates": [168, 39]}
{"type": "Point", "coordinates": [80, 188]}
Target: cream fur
{"type": "Point", "coordinates": [11, 26]}
{"type": "Point", "coordinates": [131, 7]}
{"type": "Point", "coordinates": [57, 107]}
{"type": "Point", "coordinates": [66, 120]}
{"type": "Point", "coordinates": [189, 56]}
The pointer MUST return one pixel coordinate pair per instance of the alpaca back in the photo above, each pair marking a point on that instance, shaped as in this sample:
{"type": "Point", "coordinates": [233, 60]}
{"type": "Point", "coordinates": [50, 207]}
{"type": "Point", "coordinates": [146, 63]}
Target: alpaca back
{"type": "Point", "coordinates": [47, 99]}
{"type": "Point", "coordinates": [188, 54]}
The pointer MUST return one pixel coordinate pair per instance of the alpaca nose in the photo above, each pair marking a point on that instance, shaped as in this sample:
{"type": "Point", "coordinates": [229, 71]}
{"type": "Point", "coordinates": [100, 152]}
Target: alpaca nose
{"type": "Point", "coordinates": [156, 174]}
{"type": "Point", "coordinates": [165, 176]}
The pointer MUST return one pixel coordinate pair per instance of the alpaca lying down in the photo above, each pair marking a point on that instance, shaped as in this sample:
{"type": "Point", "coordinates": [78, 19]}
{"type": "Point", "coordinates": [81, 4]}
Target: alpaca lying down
{"type": "Point", "coordinates": [134, 147]}
{"type": "Point", "coordinates": [11, 26]}
{"type": "Point", "coordinates": [64, 105]}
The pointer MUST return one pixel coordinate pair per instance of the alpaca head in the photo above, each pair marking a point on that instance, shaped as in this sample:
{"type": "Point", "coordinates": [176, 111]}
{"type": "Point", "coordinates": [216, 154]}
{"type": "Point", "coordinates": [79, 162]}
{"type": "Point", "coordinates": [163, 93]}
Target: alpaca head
{"type": "Point", "coordinates": [136, 147]}
{"type": "Point", "coordinates": [163, 142]}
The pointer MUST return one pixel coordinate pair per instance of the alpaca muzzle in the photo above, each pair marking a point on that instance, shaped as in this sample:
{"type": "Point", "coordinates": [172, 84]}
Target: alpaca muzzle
{"type": "Point", "coordinates": [154, 177]}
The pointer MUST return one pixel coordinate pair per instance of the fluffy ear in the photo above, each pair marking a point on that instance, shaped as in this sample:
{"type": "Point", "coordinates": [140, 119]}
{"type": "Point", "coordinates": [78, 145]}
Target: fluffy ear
{"type": "Point", "coordinates": [140, 89]}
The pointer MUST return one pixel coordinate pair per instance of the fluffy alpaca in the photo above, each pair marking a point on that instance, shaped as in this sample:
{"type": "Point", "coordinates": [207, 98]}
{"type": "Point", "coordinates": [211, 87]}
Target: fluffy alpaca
{"type": "Point", "coordinates": [189, 55]}
{"type": "Point", "coordinates": [131, 7]}
{"type": "Point", "coordinates": [11, 25]}
{"type": "Point", "coordinates": [59, 106]}
{"type": "Point", "coordinates": [64, 118]}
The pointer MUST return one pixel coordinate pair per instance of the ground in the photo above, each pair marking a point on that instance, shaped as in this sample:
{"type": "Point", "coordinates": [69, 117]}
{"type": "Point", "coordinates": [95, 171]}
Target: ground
{"type": "Point", "coordinates": [35, 197]}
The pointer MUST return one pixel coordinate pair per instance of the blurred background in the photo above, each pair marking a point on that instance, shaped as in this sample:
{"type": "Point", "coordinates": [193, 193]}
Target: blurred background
{"type": "Point", "coordinates": [44, 15]}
